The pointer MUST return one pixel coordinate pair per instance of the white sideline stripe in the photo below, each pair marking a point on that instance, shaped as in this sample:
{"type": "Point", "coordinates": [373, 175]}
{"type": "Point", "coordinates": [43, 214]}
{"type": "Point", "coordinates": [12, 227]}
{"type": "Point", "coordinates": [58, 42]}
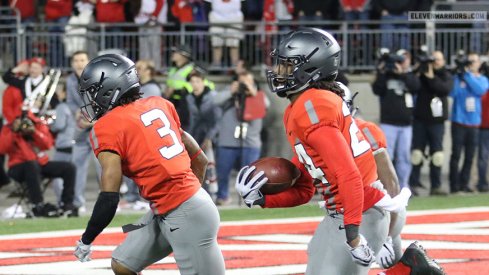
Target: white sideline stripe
{"type": "Point", "coordinates": [457, 228]}
{"type": "Point", "coordinates": [100, 267]}
{"type": "Point", "coordinates": [78, 232]}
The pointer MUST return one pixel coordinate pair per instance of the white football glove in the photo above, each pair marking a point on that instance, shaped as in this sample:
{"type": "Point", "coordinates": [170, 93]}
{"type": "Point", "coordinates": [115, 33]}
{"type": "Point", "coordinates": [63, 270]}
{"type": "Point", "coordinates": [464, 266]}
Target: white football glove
{"type": "Point", "coordinates": [362, 254]}
{"type": "Point", "coordinates": [249, 187]}
{"type": "Point", "coordinates": [83, 251]}
{"type": "Point", "coordinates": [386, 255]}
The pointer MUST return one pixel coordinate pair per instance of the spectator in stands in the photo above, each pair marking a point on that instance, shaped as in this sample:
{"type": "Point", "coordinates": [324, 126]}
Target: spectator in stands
{"type": "Point", "coordinates": [357, 10]}
{"type": "Point", "coordinates": [225, 35]}
{"type": "Point", "coordinates": [430, 114]}
{"type": "Point", "coordinates": [182, 11]}
{"type": "Point", "coordinates": [29, 85]}
{"type": "Point", "coordinates": [27, 10]}
{"type": "Point", "coordinates": [82, 150]}
{"type": "Point", "coordinates": [25, 141]}
{"type": "Point", "coordinates": [204, 115]}
{"type": "Point", "coordinates": [77, 35]}
{"type": "Point", "coordinates": [395, 84]}
{"type": "Point", "coordinates": [64, 128]}
{"type": "Point", "coordinates": [146, 71]}
{"type": "Point", "coordinates": [111, 12]}
{"type": "Point", "coordinates": [469, 87]}
{"type": "Point", "coordinates": [57, 13]}
{"type": "Point", "coordinates": [149, 32]}
{"type": "Point", "coordinates": [393, 10]}
{"type": "Point", "coordinates": [239, 137]}
{"type": "Point", "coordinates": [177, 86]}
{"type": "Point", "coordinates": [483, 155]}
{"type": "Point", "coordinates": [12, 96]}
{"type": "Point", "coordinates": [311, 10]}
{"type": "Point", "coordinates": [275, 11]}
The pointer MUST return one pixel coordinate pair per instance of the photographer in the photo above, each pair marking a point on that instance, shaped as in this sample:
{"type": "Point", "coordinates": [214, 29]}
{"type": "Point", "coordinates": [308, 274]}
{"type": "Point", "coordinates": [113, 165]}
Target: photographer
{"type": "Point", "coordinates": [243, 109]}
{"type": "Point", "coordinates": [395, 84]}
{"type": "Point", "coordinates": [430, 113]}
{"type": "Point", "coordinates": [24, 141]}
{"type": "Point", "coordinates": [469, 87]}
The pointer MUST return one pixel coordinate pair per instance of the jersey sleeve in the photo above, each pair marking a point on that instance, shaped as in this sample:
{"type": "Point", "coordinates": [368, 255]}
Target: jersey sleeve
{"type": "Point", "coordinates": [318, 109]}
{"type": "Point", "coordinates": [330, 144]}
{"type": "Point", "coordinates": [300, 193]}
{"type": "Point", "coordinates": [373, 134]}
{"type": "Point", "coordinates": [105, 138]}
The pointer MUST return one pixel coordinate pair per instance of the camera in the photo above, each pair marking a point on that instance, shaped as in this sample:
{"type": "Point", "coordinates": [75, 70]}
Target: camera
{"type": "Point", "coordinates": [242, 88]}
{"type": "Point", "coordinates": [389, 59]}
{"type": "Point", "coordinates": [461, 62]}
{"type": "Point", "coordinates": [424, 59]}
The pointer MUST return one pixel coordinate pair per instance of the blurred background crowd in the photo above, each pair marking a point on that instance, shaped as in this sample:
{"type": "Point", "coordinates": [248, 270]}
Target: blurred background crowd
{"type": "Point", "coordinates": [207, 58]}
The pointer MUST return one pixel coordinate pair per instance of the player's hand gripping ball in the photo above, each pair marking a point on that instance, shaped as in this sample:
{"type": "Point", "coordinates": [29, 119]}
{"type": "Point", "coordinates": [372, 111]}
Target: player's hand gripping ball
{"type": "Point", "coordinates": [281, 174]}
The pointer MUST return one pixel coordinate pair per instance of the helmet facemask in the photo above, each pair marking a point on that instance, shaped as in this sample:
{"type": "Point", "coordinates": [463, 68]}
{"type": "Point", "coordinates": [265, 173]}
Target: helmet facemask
{"type": "Point", "coordinates": [91, 110]}
{"type": "Point", "coordinates": [282, 78]}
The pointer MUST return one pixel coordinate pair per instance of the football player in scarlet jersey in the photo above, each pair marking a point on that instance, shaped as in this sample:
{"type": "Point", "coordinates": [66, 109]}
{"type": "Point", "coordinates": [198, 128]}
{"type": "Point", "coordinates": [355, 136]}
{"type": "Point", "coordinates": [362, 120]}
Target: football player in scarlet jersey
{"type": "Point", "coordinates": [142, 139]}
{"type": "Point", "coordinates": [332, 154]}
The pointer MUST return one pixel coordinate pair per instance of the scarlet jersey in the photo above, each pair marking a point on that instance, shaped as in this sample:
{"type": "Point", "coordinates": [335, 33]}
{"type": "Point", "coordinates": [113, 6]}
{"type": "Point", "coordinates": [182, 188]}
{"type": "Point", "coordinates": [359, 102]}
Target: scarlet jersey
{"type": "Point", "coordinates": [146, 135]}
{"type": "Point", "coordinates": [372, 133]}
{"type": "Point", "coordinates": [317, 112]}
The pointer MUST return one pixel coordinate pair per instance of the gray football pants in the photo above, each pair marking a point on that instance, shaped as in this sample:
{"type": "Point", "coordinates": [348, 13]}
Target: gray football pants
{"type": "Point", "coordinates": [328, 252]}
{"type": "Point", "coordinates": [189, 231]}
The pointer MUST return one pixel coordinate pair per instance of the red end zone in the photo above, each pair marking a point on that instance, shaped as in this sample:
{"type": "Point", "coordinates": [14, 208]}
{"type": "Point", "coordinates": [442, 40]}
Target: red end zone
{"type": "Point", "coordinates": [458, 239]}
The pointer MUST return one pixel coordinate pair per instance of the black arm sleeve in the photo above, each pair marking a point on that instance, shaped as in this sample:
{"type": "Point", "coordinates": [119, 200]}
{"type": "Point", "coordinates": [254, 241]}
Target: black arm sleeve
{"type": "Point", "coordinates": [379, 87]}
{"type": "Point", "coordinates": [442, 84]}
{"type": "Point", "coordinates": [102, 215]}
{"type": "Point", "coordinates": [351, 231]}
{"type": "Point", "coordinates": [10, 78]}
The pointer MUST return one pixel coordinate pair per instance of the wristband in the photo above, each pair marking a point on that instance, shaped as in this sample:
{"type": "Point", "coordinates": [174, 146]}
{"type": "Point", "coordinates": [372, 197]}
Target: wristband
{"type": "Point", "coordinates": [351, 231]}
{"type": "Point", "coordinates": [194, 156]}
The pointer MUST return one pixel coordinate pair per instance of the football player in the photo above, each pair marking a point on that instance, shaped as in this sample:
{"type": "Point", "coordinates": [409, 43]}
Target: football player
{"type": "Point", "coordinates": [142, 139]}
{"type": "Point", "coordinates": [332, 154]}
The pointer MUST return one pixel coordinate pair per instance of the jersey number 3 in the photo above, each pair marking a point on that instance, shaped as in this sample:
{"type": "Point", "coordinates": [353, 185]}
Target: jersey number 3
{"type": "Point", "coordinates": [167, 152]}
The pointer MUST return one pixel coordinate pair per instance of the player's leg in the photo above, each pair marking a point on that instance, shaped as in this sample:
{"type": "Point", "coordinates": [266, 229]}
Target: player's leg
{"type": "Point", "coordinates": [374, 227]}
{"type": "Point", "coordinates": [327, 252]}
{"type": "Point", "coordinates": [141, 248]}
{"type": "Point", "coordinates": [191, 230]}
{"type": "Point", "coordinates": [395, 233]}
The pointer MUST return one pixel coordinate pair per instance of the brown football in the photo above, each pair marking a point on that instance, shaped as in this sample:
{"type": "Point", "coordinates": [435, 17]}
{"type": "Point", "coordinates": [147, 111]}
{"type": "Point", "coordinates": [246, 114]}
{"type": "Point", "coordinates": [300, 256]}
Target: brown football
{"type": "Point", "coordinates": [279, 171]}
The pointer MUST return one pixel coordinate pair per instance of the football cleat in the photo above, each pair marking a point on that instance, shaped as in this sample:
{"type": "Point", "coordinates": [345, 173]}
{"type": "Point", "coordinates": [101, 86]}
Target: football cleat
{"type": "Point", "coordinates": [416, 258]}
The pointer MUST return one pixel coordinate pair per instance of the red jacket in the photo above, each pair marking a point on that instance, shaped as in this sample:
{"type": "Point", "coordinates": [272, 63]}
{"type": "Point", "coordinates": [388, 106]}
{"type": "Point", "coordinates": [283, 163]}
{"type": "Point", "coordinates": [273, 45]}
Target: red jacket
{"type": "Point", "coordinates": [182, 10]}
{"type": "Point", "coordinates": [353, 4]}
{"type": "Point", "coordinates": [485, 110]}
{"type": "Point", "coordinates": [55, 9]}
{"type": "Point", "coordinates": [20, 150]}
{"type": "Point", "coordinates": [27, 8]}
{"type": "Point", "coordinates": [12, 103]}
{"type": "Point", "coordinates": [110, 12]}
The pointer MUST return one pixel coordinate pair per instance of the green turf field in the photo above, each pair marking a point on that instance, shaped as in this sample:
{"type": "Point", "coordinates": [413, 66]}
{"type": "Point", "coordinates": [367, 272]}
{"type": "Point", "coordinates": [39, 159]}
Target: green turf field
{"type": "Point", "coordinates": [416, 203]}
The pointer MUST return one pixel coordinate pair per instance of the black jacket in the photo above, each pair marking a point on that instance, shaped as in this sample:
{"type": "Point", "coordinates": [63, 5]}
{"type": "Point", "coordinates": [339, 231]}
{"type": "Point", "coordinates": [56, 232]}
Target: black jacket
{"type": "Point", "coordinates": [439, 86]}
{"type": "Point", "coordinates": [394, 92]}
